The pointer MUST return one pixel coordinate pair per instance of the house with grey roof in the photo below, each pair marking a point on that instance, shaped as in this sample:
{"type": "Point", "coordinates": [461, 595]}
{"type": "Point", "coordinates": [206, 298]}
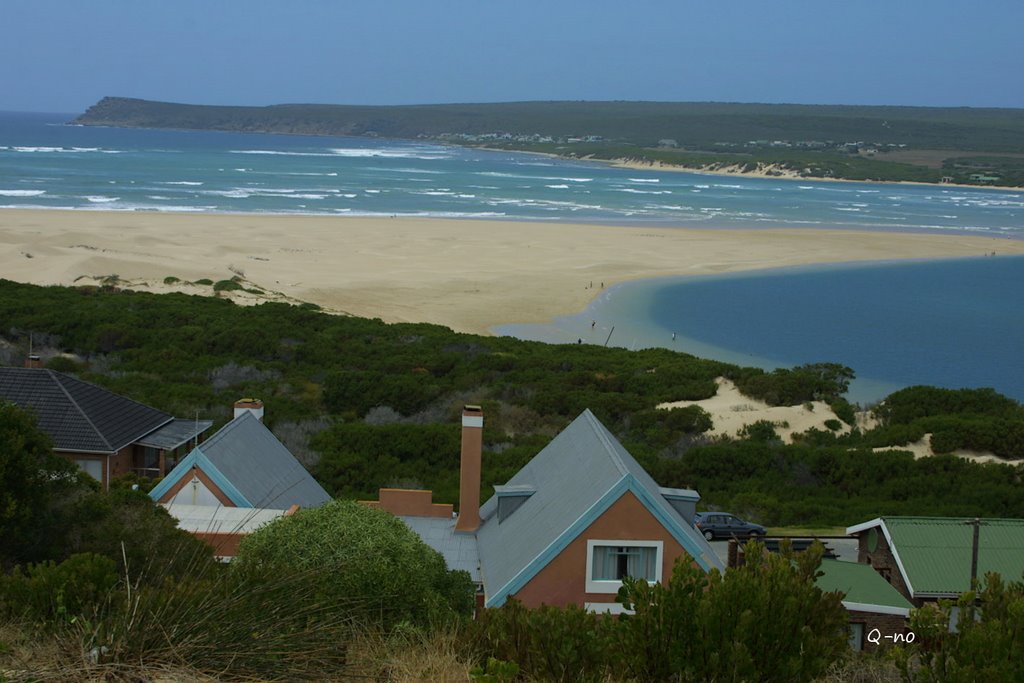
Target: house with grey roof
{"type": "Point", "coordinates": [242, 465]}
{"type": "Point", "coordinates": [566, 529]}
{"type": "Point", "coordinates": [104, 433]}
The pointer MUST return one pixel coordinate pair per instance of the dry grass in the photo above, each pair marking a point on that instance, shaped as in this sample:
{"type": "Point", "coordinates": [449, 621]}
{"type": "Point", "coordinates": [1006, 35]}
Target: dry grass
{"type": "Point", "coordinates": [408, 655]}
{"type": "Point", "coordinates": [862, 668]}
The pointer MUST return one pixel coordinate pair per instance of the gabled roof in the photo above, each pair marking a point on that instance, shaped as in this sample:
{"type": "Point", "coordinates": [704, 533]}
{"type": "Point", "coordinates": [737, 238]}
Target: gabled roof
{"type": "Point", "coordinates": [934, 553]}
{"type": "Point", "coordinates": [247, 462]}
{"type": "Point", "coordinates": [576, 477]}
{"type": "Point", "coordinates": [864, 589]}
{"type": "Point", "coordinates": [79, 416]}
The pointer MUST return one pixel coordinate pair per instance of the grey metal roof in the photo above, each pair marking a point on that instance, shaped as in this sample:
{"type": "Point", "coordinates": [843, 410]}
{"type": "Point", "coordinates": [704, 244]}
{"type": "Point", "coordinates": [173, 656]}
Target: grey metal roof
{"type": "Point", "coordinates": [251, 458]}
{"type": "Point", "coordinates": [459, 550]}
{"type": "Point", "coordinates": [79, 416]}
{"type": "Point", "coordinates": [175, 433]}
{"type": "Point", "coordinates": [570, 475]}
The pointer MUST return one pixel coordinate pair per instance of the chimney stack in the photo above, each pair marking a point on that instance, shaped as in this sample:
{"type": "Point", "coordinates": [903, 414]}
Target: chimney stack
{"type": "Point", "coordinates": [33, 361]}
{"type": "Point", "coordinates": [469, 470]}
{"type": "Point", "coordinates": [250, 405]}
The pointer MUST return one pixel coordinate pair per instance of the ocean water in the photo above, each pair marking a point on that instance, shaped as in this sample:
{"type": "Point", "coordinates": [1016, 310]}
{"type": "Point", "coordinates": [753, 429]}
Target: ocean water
{"type": "Point", "coordinates": [46, 164]}
{"type": "Point", "coordinates": [955, 323]}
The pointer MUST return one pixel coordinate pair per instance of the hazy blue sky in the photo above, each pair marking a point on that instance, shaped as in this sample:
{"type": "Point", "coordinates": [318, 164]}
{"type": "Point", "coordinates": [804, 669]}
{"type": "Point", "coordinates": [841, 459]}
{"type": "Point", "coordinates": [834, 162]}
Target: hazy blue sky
{"type": "Point", "coordinates": [63, 55]}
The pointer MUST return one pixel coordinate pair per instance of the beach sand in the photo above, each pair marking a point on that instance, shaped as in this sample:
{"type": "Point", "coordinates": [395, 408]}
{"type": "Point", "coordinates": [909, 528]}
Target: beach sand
{"type": "Point", "coordinates": [466, 274]}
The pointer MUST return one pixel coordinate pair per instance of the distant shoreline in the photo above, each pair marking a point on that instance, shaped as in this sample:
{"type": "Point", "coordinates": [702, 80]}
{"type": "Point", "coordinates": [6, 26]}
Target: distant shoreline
{"type": "Point", "coordinates": [467, 274]}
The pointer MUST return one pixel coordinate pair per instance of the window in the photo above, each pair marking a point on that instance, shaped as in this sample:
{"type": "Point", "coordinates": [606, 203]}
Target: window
{"type": "Point", "coordinates": [94, 468]}
{"type": "Point", "coordinates": [856, 638]}
{"type": "Point", "coordinates": [608, 562]}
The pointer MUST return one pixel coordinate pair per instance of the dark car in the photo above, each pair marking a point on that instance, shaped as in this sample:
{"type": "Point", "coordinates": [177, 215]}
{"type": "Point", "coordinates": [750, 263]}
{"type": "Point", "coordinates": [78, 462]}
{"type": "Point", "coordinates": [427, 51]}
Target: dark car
{"type": "Point", "coordinates": [723, 525]}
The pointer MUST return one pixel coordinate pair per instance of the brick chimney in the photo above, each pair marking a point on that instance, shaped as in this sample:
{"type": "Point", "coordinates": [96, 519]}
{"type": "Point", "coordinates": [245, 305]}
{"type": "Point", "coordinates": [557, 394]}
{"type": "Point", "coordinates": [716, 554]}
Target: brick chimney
{"type": "Point", "coordinates": [251, 405]}
{"type": "Point", "coordinates": [469, 470]}
{"type": "Point", "coordinates": [33, 361]}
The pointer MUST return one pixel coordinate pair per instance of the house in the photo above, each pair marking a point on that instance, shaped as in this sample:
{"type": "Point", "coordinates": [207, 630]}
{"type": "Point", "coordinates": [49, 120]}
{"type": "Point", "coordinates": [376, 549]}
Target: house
{"type": "Point", "coordinates": [223, 528]}
{"type": "Point", "coordinates": [929, 558]}
{"type": "Point", "coordinates": [236, 481]}
{"type": "Point", "coordinates": [243, 465]}
{"type": "Point", "coordinates": [870, 601]}
{"type": "Point", "coordinates": [566, 529]}
{"type": "Point", "coordinates": [105, 434]}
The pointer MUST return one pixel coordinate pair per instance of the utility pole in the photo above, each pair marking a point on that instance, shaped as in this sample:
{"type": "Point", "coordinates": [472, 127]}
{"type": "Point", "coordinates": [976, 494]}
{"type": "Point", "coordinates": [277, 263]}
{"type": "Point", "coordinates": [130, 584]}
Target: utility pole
{"type": "Point", "coordinates": [976, 523]}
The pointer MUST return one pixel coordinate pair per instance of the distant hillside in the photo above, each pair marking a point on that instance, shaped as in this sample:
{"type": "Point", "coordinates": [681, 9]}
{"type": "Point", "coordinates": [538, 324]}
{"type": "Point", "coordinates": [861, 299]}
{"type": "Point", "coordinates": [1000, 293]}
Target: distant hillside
{"type": "Point", "coordinates": [982, 144]}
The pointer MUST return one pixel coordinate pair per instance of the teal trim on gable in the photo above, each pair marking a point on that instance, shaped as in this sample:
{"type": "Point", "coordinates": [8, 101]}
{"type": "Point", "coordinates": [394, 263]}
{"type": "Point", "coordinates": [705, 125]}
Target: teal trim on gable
{"type": "Point", "coordinates": [198, 459]}
{"type": "Point", "coordinates": [221, 481]}
{"type": "Point", "coordinates": [678, 532]}
{"type": "Point", "coordinates": [559, 544]}
{"type": "Point", "coordinates": [627, 483]}
{"type": "Point", "coordinates": [172, 478]}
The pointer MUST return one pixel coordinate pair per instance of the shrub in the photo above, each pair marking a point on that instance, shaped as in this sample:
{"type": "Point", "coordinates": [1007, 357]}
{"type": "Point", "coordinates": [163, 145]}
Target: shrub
{"type": "Point", "coordinates": [226, 286]}
{"type": "Point", "coordinates": [49, 593]}
{"type": "Point", "coordinates": [765, 620]}
{"type": "Point", "coordinates": [204, 281]}
{"type": "Point", "coordinates": [171, 280]}
{"type": "Point", "coordinates": [547, 643]}
{"type": "Point", "coordinates": [354, 552]}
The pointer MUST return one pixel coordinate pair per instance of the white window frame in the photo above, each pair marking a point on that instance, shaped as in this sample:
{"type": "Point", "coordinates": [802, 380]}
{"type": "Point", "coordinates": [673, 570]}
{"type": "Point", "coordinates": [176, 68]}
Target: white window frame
{"type": "Point", "coordinates": [613, 586]}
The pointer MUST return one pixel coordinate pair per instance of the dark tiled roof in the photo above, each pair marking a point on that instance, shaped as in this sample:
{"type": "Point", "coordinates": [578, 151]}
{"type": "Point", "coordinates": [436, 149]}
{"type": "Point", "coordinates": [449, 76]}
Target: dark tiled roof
{"type": "Point", "coordinates": [77, 415]}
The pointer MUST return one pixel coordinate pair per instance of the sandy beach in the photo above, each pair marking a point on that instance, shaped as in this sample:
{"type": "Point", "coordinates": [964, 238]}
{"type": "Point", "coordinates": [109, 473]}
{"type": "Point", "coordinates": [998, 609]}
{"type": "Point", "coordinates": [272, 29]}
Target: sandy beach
{"type": "Point", "coordinates": [469, 275]}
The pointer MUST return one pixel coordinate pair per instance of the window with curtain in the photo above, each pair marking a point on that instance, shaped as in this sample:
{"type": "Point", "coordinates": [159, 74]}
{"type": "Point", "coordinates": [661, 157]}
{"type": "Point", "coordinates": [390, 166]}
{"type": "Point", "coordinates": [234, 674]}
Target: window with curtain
{"type": "Point", "coordinates": [613, 563]}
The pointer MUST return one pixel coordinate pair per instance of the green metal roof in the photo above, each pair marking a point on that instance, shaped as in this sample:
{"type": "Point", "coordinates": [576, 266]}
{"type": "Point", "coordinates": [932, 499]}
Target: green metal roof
{"type": "Point", "coordinates": [935, 552]}
{"type": "Point", "coordinates": [864, 588]}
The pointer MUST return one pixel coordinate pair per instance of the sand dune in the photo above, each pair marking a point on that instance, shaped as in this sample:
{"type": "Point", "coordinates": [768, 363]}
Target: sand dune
{"type": "Point", "coordinates": [469, 275]}
{"type": "Point", "coordinates": [731, 411]}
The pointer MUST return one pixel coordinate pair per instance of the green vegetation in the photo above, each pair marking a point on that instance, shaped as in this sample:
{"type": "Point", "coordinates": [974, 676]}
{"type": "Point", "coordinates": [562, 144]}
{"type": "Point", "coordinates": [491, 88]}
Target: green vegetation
{"type": "Point", "coordinates": [348, 550]}
{"type": "Point", "coordinates": [818, 141]}
{"type": "Point", "coordinates": [367, 405]}
{"type": "Point", "coordinates": [988, 644]}
{"type": "Point", "coordinates": [171, 280]}
{"type": "Point", "coordinates": [764, 621]}
{"type": "Point", "coordinates": [226, 286]}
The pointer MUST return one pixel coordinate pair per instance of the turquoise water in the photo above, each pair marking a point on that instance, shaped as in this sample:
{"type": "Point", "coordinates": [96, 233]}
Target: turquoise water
{"type": "Point", "coordinates": [954, 323]}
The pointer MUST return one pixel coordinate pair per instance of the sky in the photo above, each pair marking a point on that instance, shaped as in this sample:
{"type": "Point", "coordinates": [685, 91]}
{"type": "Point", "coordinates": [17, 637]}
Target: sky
{"type": "Point", "coordinates": [64, 55]}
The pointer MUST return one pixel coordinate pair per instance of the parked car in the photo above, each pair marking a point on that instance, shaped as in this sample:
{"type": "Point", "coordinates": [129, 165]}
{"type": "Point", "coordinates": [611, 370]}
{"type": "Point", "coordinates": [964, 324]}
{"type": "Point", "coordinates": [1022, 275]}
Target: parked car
{"type": "Point", "coordinates": [723, 525]}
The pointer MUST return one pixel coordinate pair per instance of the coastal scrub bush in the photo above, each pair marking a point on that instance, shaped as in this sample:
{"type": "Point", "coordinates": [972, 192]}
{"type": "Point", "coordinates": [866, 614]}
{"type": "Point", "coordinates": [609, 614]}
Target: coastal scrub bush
{"type": "Point", "coordinates": [204, 281]}
{"type": "Point", "coordinates": [32, 480]}
{"type": "Point", "coordinates": [547, 643]}
{"type": "Point", "coordinates": [226, 286]}
{"type": "Point", "coordinates": [986, 645]}
{"type": "Point", "coordinates": [765, 621]}
{"type": "Point", "coordinates": [49, 593]}
{"type": "Point", "coordinates": [171, 280]}
{"type": "Point", "coordinates": [370, 557]}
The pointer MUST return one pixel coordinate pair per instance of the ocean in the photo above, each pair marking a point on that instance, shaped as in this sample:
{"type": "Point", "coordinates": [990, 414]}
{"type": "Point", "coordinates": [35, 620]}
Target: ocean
{"type": "Point", "coordinates": [882, 320]}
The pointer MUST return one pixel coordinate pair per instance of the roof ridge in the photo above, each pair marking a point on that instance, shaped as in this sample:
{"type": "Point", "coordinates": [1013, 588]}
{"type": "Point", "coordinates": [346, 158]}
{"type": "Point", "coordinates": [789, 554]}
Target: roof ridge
{"type": "Point", "coordinates": [603, 435]}
{"type": "Point", "coordinates": [56, 377]}
{"type": "Point", "coordinates": [230, 426]}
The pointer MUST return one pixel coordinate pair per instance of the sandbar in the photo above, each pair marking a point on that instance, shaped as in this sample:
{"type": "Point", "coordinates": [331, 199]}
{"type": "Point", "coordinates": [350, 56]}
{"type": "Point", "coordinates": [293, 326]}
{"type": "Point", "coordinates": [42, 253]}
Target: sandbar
{"type": "Point", "coordinates": [469, 275]}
